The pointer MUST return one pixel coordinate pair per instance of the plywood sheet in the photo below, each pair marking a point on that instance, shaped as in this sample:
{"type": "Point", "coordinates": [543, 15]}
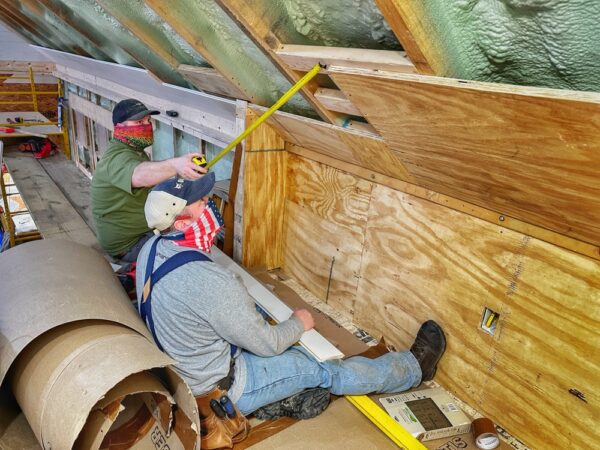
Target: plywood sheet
{"type": "Point", "coordinates": [264, 194]}
{"type": "Point", "coordinates": [530, 153]}
{"type": "Point", "coordinates": [423, 261]}
{"type": "Point", "coordinates": [326, 214]}
{"type": "Point", "coordinates": [345, 144]}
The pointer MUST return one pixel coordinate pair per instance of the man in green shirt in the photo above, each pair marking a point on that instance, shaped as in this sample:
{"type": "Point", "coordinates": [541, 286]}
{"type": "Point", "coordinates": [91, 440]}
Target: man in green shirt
{"type": "Point", "coordinates": [123, 177]}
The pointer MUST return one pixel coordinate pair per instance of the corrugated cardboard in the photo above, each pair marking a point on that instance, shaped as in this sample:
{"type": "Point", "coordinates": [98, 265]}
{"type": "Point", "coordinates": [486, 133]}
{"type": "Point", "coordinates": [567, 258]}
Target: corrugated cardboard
{"type": "Point", "coordinates": [48, 283]}
{"type": "Point", "coordinates": [78, 352]}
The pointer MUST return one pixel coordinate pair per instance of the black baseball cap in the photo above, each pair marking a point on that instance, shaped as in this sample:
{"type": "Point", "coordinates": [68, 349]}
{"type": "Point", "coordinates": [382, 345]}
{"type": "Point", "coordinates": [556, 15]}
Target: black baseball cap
{"type": "Point", "coordinates": [130, 109]}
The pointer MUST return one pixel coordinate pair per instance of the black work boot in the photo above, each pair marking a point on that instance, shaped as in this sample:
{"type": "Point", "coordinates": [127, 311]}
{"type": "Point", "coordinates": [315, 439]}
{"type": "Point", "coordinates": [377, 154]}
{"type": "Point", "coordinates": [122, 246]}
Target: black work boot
{"type": "Point", "coordinates": [303, 405]}
{"type": "Point", "coordinates": [428, 348]}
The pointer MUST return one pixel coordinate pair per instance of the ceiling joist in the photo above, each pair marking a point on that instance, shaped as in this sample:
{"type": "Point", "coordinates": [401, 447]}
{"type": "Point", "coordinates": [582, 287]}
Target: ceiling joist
{"type": "Point", "coordinates": [259, 31]}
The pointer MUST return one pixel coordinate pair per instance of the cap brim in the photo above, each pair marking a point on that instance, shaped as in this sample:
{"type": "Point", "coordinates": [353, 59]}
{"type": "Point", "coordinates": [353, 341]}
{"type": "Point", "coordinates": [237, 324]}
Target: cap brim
{"type": "Point", "coordinates": [202, 187]}
{"type": "Point", "coordinates": [143, 114]}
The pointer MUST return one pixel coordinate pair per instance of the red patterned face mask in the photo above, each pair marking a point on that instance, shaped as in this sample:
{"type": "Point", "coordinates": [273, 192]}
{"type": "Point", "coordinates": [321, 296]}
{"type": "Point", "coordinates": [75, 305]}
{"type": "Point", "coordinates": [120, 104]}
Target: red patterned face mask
{"type": "Point", "coordinates": [202, 233]}
{"type": "Point", "coordinates": [136, 136]}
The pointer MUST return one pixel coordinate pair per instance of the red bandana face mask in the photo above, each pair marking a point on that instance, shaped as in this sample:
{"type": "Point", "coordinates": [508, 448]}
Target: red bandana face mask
{"type": "Point", "coordinates": [136, 136]}
{"type": "Point", "coordinates": [202, 233]}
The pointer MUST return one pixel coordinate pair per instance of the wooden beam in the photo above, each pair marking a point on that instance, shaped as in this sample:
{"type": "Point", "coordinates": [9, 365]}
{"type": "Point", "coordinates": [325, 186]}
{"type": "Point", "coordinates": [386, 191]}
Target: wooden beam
{"type": "Point", "coordinates": [264, 196]}
{"type": "Point", "coordinates": [38, 67]}
{"type": "Point", "coordinates": [259, 31]}
{"type": "Point", "coordinates": [19, 30]}
{"type": "Point", "coordinates": [210, 80]}
{"type": "Point", "coordinates": [403, 16]}
{"type": "Point", "coordinates": [88, 109]}
{"type": "Point", "coordinates": [304, 57]}
{"type": "Point", "coordinates": [18, 22]}
{"type": "Point", "coordinates": [531, 153]}
{"type": "Point", "coordinates": [335, 100]}
{"type": "Point", "coordinates": [38, 13]}
{"type": "Point", "coordinates": [163, 10]}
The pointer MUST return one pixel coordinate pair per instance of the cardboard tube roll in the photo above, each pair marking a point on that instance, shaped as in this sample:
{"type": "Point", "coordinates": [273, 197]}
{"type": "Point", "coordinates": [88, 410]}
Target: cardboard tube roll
{"type": "Point", "coordinates": [49, 283]}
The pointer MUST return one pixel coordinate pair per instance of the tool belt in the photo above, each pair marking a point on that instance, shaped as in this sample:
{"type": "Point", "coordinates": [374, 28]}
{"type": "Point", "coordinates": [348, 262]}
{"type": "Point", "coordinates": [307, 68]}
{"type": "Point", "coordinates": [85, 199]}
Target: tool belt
{"type": "Point", "coordinates": [221, 423]}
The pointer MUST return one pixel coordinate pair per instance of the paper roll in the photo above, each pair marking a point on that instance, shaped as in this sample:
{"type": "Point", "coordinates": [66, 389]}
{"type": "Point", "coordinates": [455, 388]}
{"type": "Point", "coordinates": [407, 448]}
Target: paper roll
{"type": "Point", "coordinates": [484, 433]}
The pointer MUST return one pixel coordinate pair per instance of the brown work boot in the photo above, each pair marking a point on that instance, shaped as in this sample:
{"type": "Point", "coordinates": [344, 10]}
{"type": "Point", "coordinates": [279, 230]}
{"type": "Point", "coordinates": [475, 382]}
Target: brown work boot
{"type": "Point", "coordinates": [428, 348]}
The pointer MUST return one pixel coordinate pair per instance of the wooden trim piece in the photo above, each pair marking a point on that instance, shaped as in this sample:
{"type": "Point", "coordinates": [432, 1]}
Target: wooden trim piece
{"type": "Point", "coordinates": [335, 100]}
{"type": "Point", "coordinates": [403, 17]}
{"type": "Point", "coordinates": [210, 80]}
{"type": "Point", "coordinates": [265, 162]}
{"type": "Point", "coordinates": [91, 110]}
{"type": "Point", "coordinates": [488, 215]}
{"type": "Point", "coordinates": [259, 31]}
{"type": "Point", "coordinates": [304, 57]}
{"type": "Point", "coordinates": [38, 67]}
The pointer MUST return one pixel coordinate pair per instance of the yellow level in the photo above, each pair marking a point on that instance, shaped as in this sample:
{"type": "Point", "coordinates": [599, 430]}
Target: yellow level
{"type": "Point", "coordinates": [278, 104]}
{"type": "Point", "coordinates": [385, 423]}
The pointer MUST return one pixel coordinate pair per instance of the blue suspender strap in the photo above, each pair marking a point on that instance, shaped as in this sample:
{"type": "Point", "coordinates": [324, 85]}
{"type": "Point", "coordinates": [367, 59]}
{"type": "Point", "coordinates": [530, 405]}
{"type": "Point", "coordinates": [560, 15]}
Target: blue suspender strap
{"type": "Point", "coordinates": [151, 278]}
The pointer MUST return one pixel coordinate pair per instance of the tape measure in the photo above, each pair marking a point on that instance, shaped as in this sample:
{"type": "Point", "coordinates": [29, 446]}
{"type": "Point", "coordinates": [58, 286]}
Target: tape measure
{"type": "Point", "coordinates": [385, 422]}
{"type": "Point", "coordinates": [200, 161]}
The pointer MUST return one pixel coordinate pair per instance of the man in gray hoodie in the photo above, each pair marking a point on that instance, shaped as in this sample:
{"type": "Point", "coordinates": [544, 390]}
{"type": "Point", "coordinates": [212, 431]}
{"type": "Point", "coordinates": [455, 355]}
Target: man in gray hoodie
{"type": "Point", "coordinates": [202, 316]}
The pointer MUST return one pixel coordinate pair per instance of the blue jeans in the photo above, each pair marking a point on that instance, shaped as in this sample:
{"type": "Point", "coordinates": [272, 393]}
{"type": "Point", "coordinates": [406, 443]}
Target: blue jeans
{"type": "Point", "coordinates": [278, 377]}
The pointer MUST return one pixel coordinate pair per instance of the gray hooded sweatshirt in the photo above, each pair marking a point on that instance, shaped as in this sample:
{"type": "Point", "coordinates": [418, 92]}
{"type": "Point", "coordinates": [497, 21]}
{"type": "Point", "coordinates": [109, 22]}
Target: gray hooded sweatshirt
{"type": "Point", "coordinates": [199, 310]}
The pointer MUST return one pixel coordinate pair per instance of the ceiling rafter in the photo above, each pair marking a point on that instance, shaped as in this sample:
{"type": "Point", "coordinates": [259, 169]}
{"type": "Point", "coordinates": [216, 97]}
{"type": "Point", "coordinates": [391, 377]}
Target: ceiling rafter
{"type": "Point", "coordinates": [256, 28]}
{"type": "Point", "coordinates": [26, 33]}
{"type": "Point", "coordinates": [83, 32]}
{"type": "Point", "coordinates": [85, 28]}
{"type": "Point", "coordinates": [163, 11]}
{"type": "Point", "coordinates": [144, 35]}
{"type": "Point", "coordinates": [402, 16]}
{"type": "Point", "coordinates": [31, 11]}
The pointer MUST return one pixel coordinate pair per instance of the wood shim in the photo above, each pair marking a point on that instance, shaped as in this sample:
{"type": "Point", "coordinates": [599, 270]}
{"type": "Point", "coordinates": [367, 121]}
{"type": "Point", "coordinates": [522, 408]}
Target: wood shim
{"type": "Point", "coordinates": [311, 340]}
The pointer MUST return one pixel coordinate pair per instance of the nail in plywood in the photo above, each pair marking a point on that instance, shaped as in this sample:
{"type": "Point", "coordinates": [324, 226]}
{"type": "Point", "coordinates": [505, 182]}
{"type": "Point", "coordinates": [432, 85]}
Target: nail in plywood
{"type": "Point", "coordinates": [528, 152]}
{"type": "Point", "coordinates": [304, 57]}
{"type": "Point", "coordinates": [210, 80]}
{"type": "Point", "coordinates": [421, 262]}
{"type": "Point", "coordinates": [324, 229]}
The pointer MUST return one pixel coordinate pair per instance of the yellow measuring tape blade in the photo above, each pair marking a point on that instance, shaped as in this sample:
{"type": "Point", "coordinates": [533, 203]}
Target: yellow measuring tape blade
{"type": "Point", "coordinates": [278, 104]}
{"type": "Point", "coordinates": [385, 422]}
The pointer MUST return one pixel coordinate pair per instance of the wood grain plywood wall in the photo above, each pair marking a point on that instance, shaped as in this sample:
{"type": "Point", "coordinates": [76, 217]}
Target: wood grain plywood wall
{"type": "Point", "coordinates": [530, 153]}
{"type": "Point", "coordinates": [404, 260]}
{"type": "Point", "coordinates": [425, 261]}
{"type": "Point", "coordinates": [325, 221]}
